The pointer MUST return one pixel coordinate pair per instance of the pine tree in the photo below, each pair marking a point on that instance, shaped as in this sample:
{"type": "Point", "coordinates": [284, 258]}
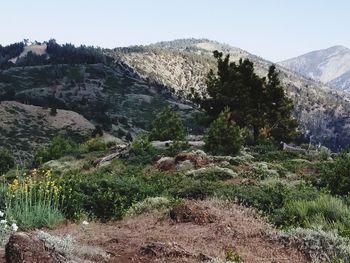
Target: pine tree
{"type": "Point", "coordinates": [223, 136]}
{"type": "Point", "coordinates": [282, 126]}
{"type": "Point", "coordinates": [167, 126]}
{"type": "Point", "coordinates": [255, 103]}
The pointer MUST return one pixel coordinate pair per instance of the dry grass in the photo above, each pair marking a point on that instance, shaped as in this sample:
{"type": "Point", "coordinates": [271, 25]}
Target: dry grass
{"type": "Point", "coordinates": [236, 227]}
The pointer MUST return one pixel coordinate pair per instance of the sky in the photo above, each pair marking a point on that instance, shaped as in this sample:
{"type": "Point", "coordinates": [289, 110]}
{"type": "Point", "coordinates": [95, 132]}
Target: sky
{"type": "Point", "coordinates": [273, 29]}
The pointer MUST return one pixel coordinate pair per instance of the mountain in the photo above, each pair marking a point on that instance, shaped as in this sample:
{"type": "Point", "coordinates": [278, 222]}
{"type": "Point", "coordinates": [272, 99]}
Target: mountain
{"type": "Point", "coordinates": [123, 89]}
{"type": "Point", "coordinates": [330, 66]}
{"type": "Point", "coordinates": [183, 64]}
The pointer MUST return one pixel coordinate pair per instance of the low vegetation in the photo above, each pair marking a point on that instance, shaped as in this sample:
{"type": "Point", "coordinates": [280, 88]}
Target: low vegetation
{"type": "Point", "coordinates": [303, 193]}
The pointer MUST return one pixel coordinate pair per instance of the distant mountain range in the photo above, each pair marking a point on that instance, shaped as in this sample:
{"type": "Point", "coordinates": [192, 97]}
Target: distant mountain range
{"type": "Point", "coordinates": [330, 66]}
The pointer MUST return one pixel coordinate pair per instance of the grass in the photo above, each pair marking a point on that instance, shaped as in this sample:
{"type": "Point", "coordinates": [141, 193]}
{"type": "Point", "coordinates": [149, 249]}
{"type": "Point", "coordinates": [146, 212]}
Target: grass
{"type": "Point", "coordinates": [33, 203]}
{"type": "Point", "coordinates": [326, 211]}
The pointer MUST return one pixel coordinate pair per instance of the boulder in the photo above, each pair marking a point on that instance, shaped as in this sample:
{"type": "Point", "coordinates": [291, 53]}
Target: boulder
{"type": "Point", "coordinates": [22, 248]}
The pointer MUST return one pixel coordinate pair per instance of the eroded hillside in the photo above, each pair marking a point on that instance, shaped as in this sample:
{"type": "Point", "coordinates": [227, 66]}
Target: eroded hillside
{"type": "Point", "coordinates": [182, 65]}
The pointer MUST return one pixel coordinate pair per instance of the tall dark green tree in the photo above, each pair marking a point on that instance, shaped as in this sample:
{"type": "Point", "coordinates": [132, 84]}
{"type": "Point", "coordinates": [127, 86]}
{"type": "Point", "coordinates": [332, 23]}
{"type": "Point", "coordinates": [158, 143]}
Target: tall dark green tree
{"type": "Point", "coordinates": [282, 126]}
{"type": "Point", "coordinates": [254, 102]}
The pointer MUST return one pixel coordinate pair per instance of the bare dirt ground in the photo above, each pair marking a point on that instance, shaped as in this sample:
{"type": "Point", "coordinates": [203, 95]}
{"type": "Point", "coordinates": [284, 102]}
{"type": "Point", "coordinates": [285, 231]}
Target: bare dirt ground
{"type": "Point", "coordinates": [157, 238]}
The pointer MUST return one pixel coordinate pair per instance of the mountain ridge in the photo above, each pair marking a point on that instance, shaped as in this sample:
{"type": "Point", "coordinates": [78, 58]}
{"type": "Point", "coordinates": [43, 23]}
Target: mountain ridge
{"type": "Point", "coordinates": [330, 66]}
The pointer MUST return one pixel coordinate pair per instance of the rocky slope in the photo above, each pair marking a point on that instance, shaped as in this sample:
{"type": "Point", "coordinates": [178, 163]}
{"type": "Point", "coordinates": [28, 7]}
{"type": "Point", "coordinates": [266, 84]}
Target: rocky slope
{"type": "Point", "coordinates": [330, 66]}
{"type": "Point", "coordinates": [23, 128]}
{"type": "Point", "coordinates": [108, 95]}
{"type": "Point", "coordinates": [183, 65]}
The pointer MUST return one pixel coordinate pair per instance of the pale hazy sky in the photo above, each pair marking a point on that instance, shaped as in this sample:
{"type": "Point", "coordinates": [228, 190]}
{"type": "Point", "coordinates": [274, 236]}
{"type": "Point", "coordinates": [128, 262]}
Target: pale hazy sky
{"type": "Point", "coordinates": [273, 29]}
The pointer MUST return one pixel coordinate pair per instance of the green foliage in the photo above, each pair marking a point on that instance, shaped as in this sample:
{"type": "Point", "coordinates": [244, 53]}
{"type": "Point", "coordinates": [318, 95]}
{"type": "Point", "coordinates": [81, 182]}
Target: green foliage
{"type": "Point", "coordinates": [108, 194]}
{"type": "Point", "coordinates": [266, 198]}
{"type": "Point", "coordinates": [142, 151]}
{"type": "Point", "coordinates": [256, 103]}
{"type": "Point", "coordinates": [335, 175]}
{"type": "Point", "coordinates": [148, 205]}
{"type": "Point", "coordinates": [58, 148]}
{"type": "Point", "coordinates": [94, 145]}
{"type": "Point", "coordinates": [167, 126]}
{"type": "Point", "coordinates": [34, 203]}
{"type": "Point", "coordinates": [326, 211]}
{"type": "Point", "coordinates": [7, 162]}
{"type": "Point", "coordinates": [232, 256]}
{"type": "Point", "coordinates": [223, 136]}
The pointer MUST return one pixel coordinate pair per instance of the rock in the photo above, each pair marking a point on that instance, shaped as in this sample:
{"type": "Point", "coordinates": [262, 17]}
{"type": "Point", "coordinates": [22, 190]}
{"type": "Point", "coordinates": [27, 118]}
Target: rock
{"type": "Point", "coordinates": [22, 248]}
{"type": "Point", "coordinates": [191, 212]}
{"type": "Point", "coordinates": [166, 164]}
{"type": "Point", "coordinates": [198, 158]}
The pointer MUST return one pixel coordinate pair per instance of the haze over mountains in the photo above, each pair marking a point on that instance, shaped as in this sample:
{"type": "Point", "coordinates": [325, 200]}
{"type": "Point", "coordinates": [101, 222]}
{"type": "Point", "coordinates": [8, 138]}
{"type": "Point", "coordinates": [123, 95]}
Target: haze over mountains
{"type": "Point", "coordinates": [123, 89]}
{"type": "Point", "coordinates": [330, 66]}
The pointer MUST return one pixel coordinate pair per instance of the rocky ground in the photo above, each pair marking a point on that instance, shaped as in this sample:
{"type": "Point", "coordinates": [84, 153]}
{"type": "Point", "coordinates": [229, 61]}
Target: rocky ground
{"type": "Point", "coordinates": [191, 232]}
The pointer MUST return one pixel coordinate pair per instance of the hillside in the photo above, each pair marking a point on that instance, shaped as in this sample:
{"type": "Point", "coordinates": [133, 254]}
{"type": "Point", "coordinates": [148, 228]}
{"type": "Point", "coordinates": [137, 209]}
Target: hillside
{"type": "Point", "coordinates": [183, 64]}
{"type": "Point", "coordinates": [330, 66]}
{"type": "Point", "coordinates": [123, 89]}
{"type": "Point", "coordinates": [24, 128]}
{"type": "Point", "coordinates": [111, 96]}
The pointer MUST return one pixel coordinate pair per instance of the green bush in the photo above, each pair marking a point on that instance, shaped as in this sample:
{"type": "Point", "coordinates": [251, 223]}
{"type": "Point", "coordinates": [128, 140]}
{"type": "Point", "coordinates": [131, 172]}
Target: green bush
{"type": "Point", "coordinates": [148, 205]}
{"type": "Point", "coordinates": [167, 126]}
{"type": "Point", "coordinates": [266, 198]}
{"type": "Point", "coordinates": [7, 162]}
{"type": "Point", "coordinates": [109, 194]}
{"type": "Point", "coordinates": [335, 175]}
{"type": "Point", "coordinates": [142, 151]}
{"type": "Point", "coordinates": [326, 211]}
{"type": "Point", "coordinates": [94, 145]}
{"type": "Point", "coordinates": [223, 137]}
{"type": "Point", "coordinates": [55, 150]}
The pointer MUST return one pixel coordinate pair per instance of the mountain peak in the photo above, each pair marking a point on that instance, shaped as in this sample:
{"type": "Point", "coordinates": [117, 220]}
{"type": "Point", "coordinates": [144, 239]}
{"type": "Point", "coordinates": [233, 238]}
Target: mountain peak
{"type": "Point", "coordinates": [330, 65]}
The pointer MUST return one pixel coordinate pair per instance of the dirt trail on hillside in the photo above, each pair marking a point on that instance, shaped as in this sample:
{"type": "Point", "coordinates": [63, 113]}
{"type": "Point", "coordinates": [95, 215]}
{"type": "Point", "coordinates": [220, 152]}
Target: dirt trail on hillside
{"type": "Point", "coordinates": [157, 238]}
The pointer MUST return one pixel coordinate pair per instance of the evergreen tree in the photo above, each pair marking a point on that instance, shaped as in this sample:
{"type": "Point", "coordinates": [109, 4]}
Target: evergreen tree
{"type": "Point", "coordinates": [167, 126]}
{"type": "Point", "coordinates": [282, 126]}
{"type": "Point", "coordinates": [254, 102]}
{"type": "Point", "coordinates": [223, 136]}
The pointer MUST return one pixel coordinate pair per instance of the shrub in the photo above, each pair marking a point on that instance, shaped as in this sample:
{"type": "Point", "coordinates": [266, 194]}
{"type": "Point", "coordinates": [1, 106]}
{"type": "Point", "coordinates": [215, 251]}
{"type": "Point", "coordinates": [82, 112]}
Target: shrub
{"type": "Point", "coordinates": [57, 148]}
{"type": "Point", "coordinates": [319, 245]}
{"type": "Point", "coordinates": [108, 195]}
{"type": "Point", "coordinates": [7, 162]}
{"type": "Point", "coordinates": [148, 205]}
{"type": "Point", "coordinates": [260, 171]}
{"type": "Point", "coordinates": [34, 202]}
{"type": "Point", "coordinates": [266, 198]}
{"type": "Point", "coordinates": [142, 151]}
{"type": "Point", "coordinates": [167, 126]}
{"type": "Point", "coordinates": [326, 211]}
{"type": "Point", "coordinates": [94, 145]}
{"type": "Point", "coordinates": [223, 137]}
{"type": "Point", "coordinates": [335, 175]}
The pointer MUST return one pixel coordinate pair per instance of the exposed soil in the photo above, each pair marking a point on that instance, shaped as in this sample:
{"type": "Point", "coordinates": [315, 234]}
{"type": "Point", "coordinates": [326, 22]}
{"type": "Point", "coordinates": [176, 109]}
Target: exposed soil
{"type": "Point", "coordinates": [157, 238]}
